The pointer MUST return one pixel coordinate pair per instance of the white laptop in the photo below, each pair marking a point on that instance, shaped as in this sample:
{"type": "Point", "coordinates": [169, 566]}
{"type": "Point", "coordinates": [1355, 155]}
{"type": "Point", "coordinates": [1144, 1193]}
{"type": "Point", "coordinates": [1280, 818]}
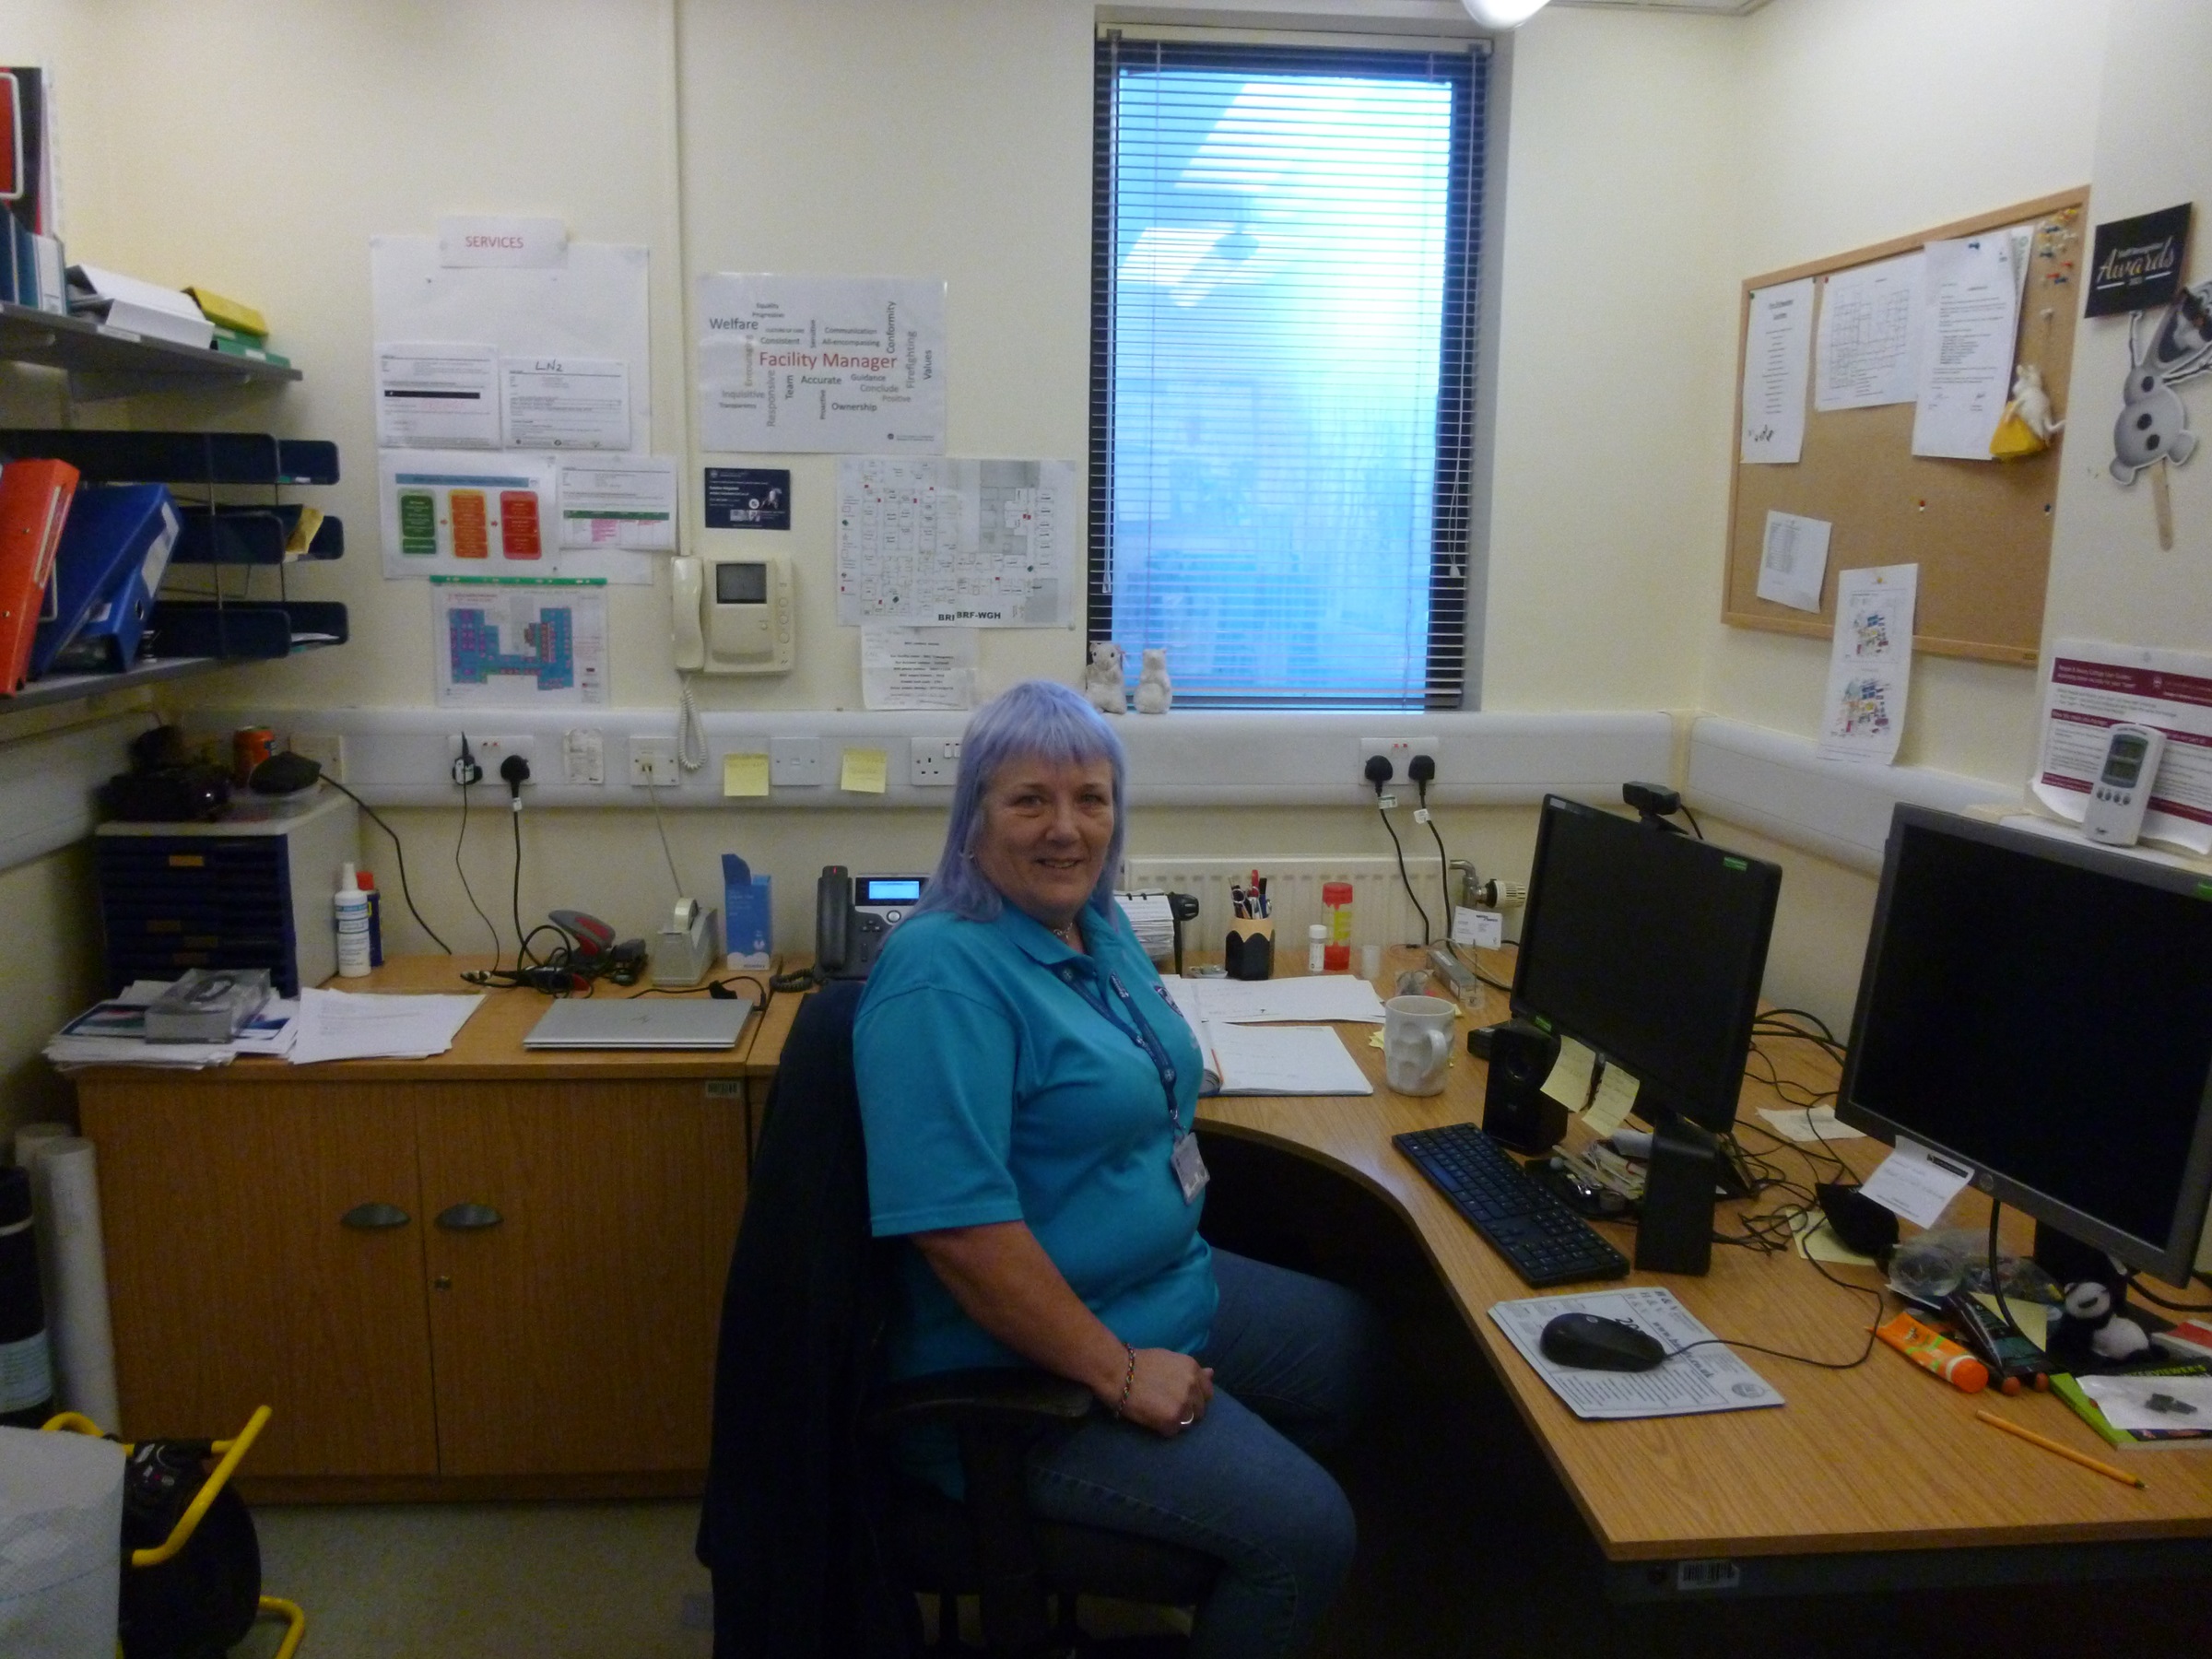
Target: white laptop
{"type": "Point", "coordinates": [642, 1022]}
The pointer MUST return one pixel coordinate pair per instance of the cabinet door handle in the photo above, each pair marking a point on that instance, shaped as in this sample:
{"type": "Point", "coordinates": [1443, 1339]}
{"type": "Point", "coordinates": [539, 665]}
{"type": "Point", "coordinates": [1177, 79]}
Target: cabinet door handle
{"type": "Point", "coordinates": [373, 1215]}
{"type": "Point", "coordinates": [468, 1217]}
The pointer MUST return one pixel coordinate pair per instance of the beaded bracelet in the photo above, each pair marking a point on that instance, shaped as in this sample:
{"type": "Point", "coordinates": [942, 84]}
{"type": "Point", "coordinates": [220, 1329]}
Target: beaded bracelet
{"type": "Point", "coordinates": [1128, 1381]}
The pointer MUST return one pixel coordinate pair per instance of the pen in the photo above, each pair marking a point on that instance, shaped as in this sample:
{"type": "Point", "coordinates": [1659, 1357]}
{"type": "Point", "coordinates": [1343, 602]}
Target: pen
{"type": "Point", "coordinates": [2121, 1476]}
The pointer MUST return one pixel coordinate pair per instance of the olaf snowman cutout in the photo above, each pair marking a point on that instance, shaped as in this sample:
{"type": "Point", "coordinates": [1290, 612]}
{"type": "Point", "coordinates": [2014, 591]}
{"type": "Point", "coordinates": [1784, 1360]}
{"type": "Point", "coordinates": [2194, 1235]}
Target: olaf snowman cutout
{"type": "Point", "coordinates": [2154, 423]}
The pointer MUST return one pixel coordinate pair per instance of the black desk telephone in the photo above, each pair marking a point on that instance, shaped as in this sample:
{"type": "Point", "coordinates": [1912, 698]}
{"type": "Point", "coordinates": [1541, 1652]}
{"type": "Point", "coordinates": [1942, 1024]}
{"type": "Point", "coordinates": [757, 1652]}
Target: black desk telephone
{"type": "Point", "coordinates": [854, 915]}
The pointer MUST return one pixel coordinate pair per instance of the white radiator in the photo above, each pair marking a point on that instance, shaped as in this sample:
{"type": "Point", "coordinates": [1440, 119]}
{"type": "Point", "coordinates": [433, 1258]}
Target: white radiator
{"type": "Point", "coordinates": [1380, 915]}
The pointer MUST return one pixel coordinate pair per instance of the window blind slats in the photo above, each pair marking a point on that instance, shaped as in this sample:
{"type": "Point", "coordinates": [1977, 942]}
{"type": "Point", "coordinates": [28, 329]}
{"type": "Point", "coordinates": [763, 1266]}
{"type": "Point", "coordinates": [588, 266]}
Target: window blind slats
{"type": "Point", "coordinates": [1282, 363]}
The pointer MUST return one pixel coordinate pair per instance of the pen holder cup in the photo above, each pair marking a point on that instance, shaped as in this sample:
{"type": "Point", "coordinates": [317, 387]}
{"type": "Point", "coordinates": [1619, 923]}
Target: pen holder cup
{"type": "Point", "coordinates": [1250, 953]}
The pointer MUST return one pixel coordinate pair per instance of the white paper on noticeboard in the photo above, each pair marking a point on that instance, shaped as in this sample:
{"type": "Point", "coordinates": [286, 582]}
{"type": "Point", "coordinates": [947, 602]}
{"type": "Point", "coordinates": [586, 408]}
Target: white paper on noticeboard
{"type": "Point", "coordinates": [1870, 665]}
{"type": "Point", "coordinates": [1778, 343]}
{"type": "Point", "coordinates": [2090, 688]}
{"type": "Point", "coordinates": [1970, 313]}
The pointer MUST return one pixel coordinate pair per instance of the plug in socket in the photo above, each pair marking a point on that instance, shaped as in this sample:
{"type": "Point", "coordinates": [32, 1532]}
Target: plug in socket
{"type": "Point", "coordinates": [653, 763]}
{"type": "Point", "coordinates": [488, 750]}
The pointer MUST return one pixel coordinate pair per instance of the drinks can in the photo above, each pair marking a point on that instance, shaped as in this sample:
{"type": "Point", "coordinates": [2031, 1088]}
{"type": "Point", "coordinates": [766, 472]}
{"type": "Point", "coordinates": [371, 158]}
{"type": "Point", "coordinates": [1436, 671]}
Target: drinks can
{"type": "Point", "coordinates": [249, 745]}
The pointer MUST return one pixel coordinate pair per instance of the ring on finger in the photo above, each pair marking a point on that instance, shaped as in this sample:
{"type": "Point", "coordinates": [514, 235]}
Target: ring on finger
{"type": "Point", "coordinates": [1187, 1418]}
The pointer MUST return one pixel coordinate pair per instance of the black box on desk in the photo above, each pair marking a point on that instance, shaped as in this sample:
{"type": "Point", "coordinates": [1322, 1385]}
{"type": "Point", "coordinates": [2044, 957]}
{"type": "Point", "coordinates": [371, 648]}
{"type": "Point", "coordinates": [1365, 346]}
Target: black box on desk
{"type": "Point", "coordinates": [243, 893]}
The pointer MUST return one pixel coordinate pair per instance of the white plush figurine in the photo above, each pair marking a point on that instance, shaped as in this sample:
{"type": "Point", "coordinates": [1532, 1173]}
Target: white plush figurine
{"type": "Point", "coordinates": [1155, 691]}
{"type": "Point", "coordinates": [1102, 679]}
{"type": "Point", "coordinates": [2031, 403]}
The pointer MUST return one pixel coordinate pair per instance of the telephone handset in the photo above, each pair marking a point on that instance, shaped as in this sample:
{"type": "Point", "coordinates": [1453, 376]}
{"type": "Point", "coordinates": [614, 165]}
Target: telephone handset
{"type": "Point", "coordinates": [853, 916]}
{"type": "Point", "coordinates": [732, 614]}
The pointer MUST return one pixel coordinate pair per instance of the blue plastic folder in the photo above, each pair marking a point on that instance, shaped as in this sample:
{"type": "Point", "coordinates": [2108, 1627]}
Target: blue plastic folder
{"type": "Point", "coordinates": [113, 552]}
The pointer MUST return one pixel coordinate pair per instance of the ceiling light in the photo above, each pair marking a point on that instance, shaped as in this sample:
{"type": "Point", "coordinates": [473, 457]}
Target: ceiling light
{"type": "Point", "coordinates": [1502, 14]}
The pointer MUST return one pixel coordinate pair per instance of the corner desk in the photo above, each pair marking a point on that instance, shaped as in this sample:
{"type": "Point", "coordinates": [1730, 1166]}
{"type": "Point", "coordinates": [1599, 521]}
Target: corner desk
{"type": "Point", "coordinates": [1877, 1478]}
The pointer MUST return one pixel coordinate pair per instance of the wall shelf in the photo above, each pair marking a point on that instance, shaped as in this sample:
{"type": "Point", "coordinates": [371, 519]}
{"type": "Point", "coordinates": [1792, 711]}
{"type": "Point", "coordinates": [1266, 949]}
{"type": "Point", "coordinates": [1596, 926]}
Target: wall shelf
{"type": "Point", "coordinates": [106, 362]}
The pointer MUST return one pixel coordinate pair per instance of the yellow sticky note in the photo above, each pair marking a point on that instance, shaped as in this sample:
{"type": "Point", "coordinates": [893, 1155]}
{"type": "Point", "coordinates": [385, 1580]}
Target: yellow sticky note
{"type": "Point", "coordinates": [1569, 1080]}
{"type": "Point", "coordinates": [1616, 1099]}
{"type": "Point", "coordinates": [864, 771]}
{"type": "Point", "coordinates": [745, 774]}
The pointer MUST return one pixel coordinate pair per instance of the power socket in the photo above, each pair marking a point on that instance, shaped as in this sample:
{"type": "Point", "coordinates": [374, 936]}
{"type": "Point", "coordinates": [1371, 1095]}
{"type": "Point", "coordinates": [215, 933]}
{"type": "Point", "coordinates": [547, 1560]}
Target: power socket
{"type": "Point", "coordinates": [1398, 752]}
{"type": "Point", "coordinates": [489, 750]}
{"type": "Point", "coordinates": [653, 763]}
{"type": "Point", "coordinates": [932, 765]}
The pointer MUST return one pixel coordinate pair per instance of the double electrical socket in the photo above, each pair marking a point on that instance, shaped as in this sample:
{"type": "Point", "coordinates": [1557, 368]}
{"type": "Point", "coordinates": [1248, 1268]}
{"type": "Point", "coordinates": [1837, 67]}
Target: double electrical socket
{"type": "Point", "coordinates": [489, 751]}
{"type": "Point", "coordinates": [1398, 752]}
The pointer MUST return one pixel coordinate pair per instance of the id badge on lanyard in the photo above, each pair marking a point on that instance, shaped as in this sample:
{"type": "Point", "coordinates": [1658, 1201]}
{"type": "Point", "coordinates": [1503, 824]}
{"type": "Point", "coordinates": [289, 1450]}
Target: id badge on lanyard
{"type": "Point", "coordinates": [1189, 1167]}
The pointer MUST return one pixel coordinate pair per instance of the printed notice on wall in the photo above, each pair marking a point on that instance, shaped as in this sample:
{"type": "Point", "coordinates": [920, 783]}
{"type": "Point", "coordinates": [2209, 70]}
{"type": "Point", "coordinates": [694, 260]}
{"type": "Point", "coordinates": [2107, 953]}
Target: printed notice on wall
{"type": "Point", "coordinates": [437, 395]}
{"type": "Point", "coordinates": [1778, 343]}
{"type": "Point", "coordinates": [1869, 322]}
{"type": "Point", "coordinates": [519, 644]}
{"type": "Point", "coordinates": [917, 667]}
{"type": "Point", "coordinates": [982, 544]}
{"type": "Point", "coordinates": [822, 365]}
{"type": "Point", "coordinates": [1870, 665]}
{"type": "Point", "coordinates": [2093, 688]}
{"type": "Point", "coordinates": [1793, 560]}
{"type": "Point", "coordinates": [1973, 309]}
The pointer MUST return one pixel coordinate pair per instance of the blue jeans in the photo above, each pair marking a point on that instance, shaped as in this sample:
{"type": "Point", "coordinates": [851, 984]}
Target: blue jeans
{"type": "Point", "coordinates": [1291, 1357]}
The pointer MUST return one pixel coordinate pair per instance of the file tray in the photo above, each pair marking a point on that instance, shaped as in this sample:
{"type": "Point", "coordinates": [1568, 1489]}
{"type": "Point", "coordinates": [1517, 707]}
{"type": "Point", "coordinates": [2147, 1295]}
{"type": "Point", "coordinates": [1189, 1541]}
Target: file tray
{"type": "Point", "coordinates": [185, 628]}
{"type": "Point", "coordinates": [251, 535]}
{"type": "Point", "coordinates": [178, 457]}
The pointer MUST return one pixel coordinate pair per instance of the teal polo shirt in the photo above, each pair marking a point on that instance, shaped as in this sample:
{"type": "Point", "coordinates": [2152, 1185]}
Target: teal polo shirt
{"type": "Point", "coordinates": [1000, 1081]}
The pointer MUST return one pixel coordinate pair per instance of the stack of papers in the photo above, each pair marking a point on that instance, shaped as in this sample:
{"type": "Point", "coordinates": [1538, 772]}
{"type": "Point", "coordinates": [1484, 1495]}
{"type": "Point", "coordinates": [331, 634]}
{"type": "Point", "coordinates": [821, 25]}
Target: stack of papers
{"type": "Point", "coordinates": [345, 1024]}
{"type": "Point", "coordinates": [1244, 1055]}
{"type": "Point", "coordinates": [113, 1033]}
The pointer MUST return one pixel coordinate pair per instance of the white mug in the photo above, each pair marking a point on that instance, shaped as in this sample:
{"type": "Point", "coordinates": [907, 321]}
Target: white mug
{"type": "Point", "coordinates": [1416, 1044]}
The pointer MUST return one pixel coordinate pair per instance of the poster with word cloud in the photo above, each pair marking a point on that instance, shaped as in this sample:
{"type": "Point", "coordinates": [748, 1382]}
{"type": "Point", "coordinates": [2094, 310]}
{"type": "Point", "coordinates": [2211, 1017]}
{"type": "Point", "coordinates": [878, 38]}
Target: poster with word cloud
{"type": "Point", "coordinates": [821, 365]}
{"type": "Point", "coordinates": [981, 543]}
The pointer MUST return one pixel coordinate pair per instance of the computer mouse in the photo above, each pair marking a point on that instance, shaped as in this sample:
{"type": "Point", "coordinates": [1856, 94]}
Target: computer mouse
{"type": "Point", "coordinates": [1589, 1343]}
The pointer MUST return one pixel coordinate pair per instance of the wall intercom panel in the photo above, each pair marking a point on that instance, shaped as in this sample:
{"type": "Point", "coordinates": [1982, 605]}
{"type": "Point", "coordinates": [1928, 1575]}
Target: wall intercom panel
{"type": "Point", "coordinates": [733, 613]}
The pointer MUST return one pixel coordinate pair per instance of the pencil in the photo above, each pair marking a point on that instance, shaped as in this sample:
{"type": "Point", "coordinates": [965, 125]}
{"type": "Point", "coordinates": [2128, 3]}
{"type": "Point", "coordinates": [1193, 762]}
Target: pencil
{"type": "Point", "coordinates": [2029, 1435]}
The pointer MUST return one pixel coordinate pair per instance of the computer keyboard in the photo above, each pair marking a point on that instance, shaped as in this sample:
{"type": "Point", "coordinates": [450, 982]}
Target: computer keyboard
{"type": "Point", "coordinates": [1526, 1222]}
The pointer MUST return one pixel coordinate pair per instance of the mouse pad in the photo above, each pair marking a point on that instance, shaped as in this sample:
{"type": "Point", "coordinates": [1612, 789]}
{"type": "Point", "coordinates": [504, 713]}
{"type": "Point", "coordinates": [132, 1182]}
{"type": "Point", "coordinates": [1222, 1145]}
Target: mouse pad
{"type": "Point", "coordinates": [1705, 1378]}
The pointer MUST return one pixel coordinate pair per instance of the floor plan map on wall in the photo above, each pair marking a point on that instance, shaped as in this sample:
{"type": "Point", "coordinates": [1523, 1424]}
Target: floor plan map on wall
{"type": "Point", "coordinates": [520, 644]}
{"type": "Point", "coordinates": [983, 544]}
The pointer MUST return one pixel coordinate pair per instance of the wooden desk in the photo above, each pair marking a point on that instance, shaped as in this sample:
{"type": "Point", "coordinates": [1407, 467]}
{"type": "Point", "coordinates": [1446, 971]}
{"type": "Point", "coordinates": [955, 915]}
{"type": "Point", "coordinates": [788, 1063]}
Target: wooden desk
{"type": "Point", "coordinates": [566, 1349]}
{"type": "Point", "coordinates": [1874, 1476]}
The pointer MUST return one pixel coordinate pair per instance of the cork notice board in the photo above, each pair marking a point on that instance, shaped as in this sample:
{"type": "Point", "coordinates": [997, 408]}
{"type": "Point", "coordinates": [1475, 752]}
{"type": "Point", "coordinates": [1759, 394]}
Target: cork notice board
{"type": "Point", "coordinates": [1980, 531]}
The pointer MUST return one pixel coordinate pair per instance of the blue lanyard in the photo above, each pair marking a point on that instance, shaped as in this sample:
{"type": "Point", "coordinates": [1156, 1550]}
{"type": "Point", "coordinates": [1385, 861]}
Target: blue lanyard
{"type": "Point", "coordinates": [1141, 1034]}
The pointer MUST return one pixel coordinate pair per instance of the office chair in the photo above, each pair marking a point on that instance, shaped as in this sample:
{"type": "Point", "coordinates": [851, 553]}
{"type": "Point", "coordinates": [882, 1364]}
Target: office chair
{"type": "Point", "coordinates": [817, 1543]}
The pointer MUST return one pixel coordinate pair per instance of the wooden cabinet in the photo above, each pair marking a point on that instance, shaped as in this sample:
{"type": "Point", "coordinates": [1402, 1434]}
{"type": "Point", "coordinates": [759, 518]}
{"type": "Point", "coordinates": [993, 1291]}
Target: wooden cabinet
{"type": "Point", "coordinates": [438, 1278]}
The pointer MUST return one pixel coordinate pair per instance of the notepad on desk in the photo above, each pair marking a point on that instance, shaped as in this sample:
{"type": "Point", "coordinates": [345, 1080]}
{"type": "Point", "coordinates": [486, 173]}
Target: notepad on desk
{"type": "Point", "coordinates": [1265, 1059]}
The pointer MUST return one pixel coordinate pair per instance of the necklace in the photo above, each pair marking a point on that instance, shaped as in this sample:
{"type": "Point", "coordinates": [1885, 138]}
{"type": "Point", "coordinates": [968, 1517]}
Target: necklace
{"type": "Point", "coordinates": [1068, 935]}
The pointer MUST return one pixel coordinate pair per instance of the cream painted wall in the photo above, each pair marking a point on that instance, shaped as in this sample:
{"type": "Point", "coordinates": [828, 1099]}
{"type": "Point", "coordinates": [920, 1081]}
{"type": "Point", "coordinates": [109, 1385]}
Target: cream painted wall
{"type": "Point", "coordinates": [53, 971]}
{"type": "Point", "coordinates": [1864, 120]}
{"type": "Point", "coordinates": [1610, 483]}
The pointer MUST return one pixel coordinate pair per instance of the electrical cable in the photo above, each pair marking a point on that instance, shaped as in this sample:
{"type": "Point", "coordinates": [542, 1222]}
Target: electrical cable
{"type": "Point", "coordinates": [1996, 1282]}
{"type": "Point", "coordinates": [1428, 933]}
{"type": "Point", "coordinates": [522, 949]}
{"type": "Point", "coordinates": [468, 892]}
{"type": "Point", "coordinates": [1692, 816]}
{"type": "Point", "coordinates": [653, 793]}
{"type": "Point", "coordinates": [398, 852]}
{"type": "Point", "coordinates": [690, 732]}
{"type": "Point", "coordinates": [1443, 864]}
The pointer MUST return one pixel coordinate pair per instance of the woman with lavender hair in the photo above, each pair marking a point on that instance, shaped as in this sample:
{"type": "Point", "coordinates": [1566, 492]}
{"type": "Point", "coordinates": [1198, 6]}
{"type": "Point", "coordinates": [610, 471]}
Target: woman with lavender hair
{"type": "Point", "coordinates": [1027, 1094]}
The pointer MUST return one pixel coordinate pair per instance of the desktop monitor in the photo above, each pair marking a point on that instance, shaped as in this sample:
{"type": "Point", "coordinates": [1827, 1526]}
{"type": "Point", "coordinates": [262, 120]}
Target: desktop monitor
{"type": "Point", "coordinates": [2041, 1010]}
{"type": "Point", "coordinates": [1647, 946]}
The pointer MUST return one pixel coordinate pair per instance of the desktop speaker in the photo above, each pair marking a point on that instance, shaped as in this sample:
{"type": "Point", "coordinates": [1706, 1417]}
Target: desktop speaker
{"type": "Point", "coordinates": [1515, 1110]}
{"type": "Point", "coordinates": [1674, 1226]}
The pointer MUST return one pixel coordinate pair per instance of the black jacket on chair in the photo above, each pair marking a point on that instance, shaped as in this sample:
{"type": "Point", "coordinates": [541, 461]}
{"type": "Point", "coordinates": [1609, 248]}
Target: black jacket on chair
{"type": "Point", "coordinates": [786, 1527]}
